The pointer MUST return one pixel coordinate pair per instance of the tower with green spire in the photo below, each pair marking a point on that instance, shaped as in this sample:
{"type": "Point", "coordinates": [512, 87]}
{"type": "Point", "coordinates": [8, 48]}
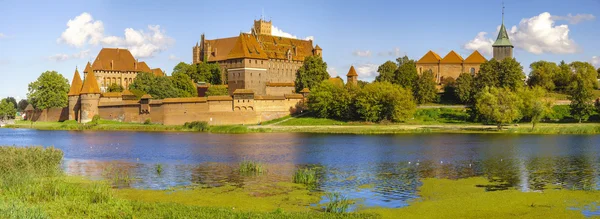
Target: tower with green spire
{"type": "Point", "coordinates": [502, 47]}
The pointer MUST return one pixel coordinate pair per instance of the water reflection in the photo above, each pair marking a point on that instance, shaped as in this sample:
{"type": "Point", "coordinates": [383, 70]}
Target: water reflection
{"type": "Point", "coordinates": [380, 170]}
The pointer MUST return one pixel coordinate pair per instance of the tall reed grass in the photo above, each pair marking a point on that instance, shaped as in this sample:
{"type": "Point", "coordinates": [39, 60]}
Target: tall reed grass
{"type": "Point", "coordinates": [337, 203]}
{"type": "Point", "coordinates": [251, 167]}
{"type": "Point", "coordinates": [306, 176]}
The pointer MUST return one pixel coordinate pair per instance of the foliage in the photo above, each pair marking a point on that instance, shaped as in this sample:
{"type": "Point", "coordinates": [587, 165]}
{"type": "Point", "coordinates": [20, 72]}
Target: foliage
{"type": "Point", "coordinates": [443, 115]}
{"type": "Point", "coordinates": [185, 85]}
{"type": "Point", "coordinates": [425, 90]}
{"type": "Point", "coordinates": [7, 109]}
{"type": "Point", "coordinates": [337, 203]}
{"type": "Point", "coordinates": [562, 78]}
{"type": "Point", "coordinates": [138, 93]}
{"type": "Point", "coordinates": [384, 101]}
{"type": "Point", "coordinates": [201, 72]}
{"type": "Point", "coordinates": [580, 91]}
{"type": "Point", "coordinates": [251, 167]}
{"type": "Point", "coordinates": [488, 75]}
{"type": "Point", "coordinates": [586, 71]}
{"type": "Point", "coordinates": [507, 73]}
{"type": "Point", "coordinates": [22, 105]}
{"type": "Point", "coordinates": [48, 91]}
{"type": "Point", "coordinates": [306, 176]}
{"type": "Point", "coordinates": [217, 90]}
{"type": "Point", "coordinates": [543, 74]}
{"type": "Point", "coordinates": [465, 90]}
{"type": "Point", "coordinates": [559, 113]}
{"type": "Point", "coordinates": [115, 88]}
{"type": "Point", "coordinates": [386, 72]}
{"type": "Point", "coordinates": [449, 95]}
{"type": "Point", "coordinates": [162, 87]}
{"type": "Point", "coordinates": [312, 72]}
{"type": "Point", "coordinates": [148, 121]}
{"type": "Point", "coordinates": [498, 105]}
{"type": "Point", "coordinates": [13, 101]}
{"type": "Point", "coordinates": [199, 126]}
{"type": "Point", "coordinates": [328, 100]}
{"type": "Point", "coordinates": [404, 59]}
{"type": "Point", "coordinates": [535, 106]}
{"type": "Point", "coordinates": [406, 75]}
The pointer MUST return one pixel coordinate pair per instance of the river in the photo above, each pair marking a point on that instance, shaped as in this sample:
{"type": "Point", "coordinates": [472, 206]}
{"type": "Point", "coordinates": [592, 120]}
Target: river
{"type": "Point", "coordinates": [379, 170]}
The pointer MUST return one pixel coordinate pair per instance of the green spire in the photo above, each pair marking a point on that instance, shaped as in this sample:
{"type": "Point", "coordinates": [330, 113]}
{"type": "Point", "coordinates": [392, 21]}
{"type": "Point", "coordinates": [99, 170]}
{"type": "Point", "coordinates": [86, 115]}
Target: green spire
{"type": "Point", "coordinates": [502, 39]}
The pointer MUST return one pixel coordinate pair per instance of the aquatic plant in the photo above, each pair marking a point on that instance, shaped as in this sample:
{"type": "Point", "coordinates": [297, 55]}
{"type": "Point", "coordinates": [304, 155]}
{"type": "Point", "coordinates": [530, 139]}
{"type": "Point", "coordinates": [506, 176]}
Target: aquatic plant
{"type": "Point", "coordinates": [337, 203]}
{"type": "Point", "coordinates": [199, 126]}
{"type": "Point", "coordinates": [306, 176]}
{"type": "Point", "coordinates": [159, 168]}
{"type": "Point", "coordinates": [118, 176]}
{"type": "Point", "coordinates": [251, 167]}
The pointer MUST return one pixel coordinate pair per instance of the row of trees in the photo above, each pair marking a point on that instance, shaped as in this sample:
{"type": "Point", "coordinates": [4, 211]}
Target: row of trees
{"type": "Point", "coordinates": [403, 72]}
{"type": "Point", "coordinates": [202, 72]}
{"type": "Point", "coordinates": [178, 85]}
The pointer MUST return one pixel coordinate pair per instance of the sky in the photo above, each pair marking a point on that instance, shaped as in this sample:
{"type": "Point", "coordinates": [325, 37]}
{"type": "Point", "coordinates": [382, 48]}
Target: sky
{"type": "Point", "coordinates": [37, 36]}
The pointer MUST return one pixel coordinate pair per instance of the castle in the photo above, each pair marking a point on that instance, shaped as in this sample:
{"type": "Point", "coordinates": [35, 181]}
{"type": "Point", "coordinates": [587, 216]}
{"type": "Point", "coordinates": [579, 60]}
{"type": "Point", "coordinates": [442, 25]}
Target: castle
{"type": "Point", "coordinates": [257, 60]}
{"type": "Point", "coordinates": [452, 65]}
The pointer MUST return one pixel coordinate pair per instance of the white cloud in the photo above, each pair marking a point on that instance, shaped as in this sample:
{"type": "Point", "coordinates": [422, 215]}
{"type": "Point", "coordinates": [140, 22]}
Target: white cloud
{"type": "Point", "coordinates": [368, 70]}
{"type": "Point", "coordinates": [311, 38]}
{"type": "Point", "coordinates": [575, 19]}
{"type": "Point", "coordinates": [366, 53]}
{"type": "Point", "coordinates": [536, 35]}
{"type": "Point", "coordinates": [332, 72]}
{"type": "Point", "coordinates": [63, 57]}
{"type": "Point", "coordinates": [275, 31]}
{"type": "Point", "coordinates": [84, 30]}
{"type": "Point", "coordinates": [480, 43]}
{"type": "Point", "coordinates": [173, 57]}
{"type": "Point", "coordinates": [595, 61]}
{"type": "Point", "coordinates": [394, 53]}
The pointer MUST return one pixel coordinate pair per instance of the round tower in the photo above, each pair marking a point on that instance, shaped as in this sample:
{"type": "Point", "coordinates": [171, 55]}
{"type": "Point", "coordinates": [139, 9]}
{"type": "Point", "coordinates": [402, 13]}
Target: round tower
{"type": "Point", "coordinates": [89, 97]}
{"type": "Point", "coordinates": [74, 92]}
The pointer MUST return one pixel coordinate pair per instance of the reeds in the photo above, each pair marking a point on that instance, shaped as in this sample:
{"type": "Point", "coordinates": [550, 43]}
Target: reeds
{"type": "Point", "coordinates": [337, 203]}
{"type": "Point", "coordinates": [306, 176]}
{"type": "Point", "coordinates": [251, 167]}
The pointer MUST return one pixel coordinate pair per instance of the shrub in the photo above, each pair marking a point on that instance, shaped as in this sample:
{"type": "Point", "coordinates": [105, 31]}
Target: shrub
{"type": "Point", "coordinates": [147, 121]}
{"type": "Point", "coordinates": [560, 113]}
{"type": "Point", "coordinates": [197, 126]}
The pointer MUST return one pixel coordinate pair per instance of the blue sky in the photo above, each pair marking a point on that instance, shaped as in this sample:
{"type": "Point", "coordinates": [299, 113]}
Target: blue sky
{"type": "Point", "coordinates": [35, 36]}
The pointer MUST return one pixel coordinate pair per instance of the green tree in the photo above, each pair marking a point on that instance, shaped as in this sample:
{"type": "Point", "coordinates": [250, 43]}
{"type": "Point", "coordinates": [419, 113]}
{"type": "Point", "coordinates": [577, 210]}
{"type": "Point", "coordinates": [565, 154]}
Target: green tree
{"type": "Point", "coordinates": [386, 72]}
{"type": "Point", "coordinates": [406, 75]}
{"type": "Point", "coordinates": [379, 101]}
{"type": "Point", "coordinates": [535, 104]}
{"type": "Point", "coordinates": [562, 78]}
{"type": "Point", "coordinates": [424, 89]}
{"type": "Point", "coordinates": [465, 88]}
{"type": "Point", "coordinates": [312, 72]}
{"type": "Point", "coordinates": [115, 88]}
{"type": "Point", "coordinates": [587, 71]}
{"type": "Point", "coordinates": [543, 74]}
{"type": "Point", "coordinates": [7, 109]}
{"type": "Point", "coordinates": [498, 105]}
{"type": "Point", "coordinates": [208, 72]}
{"type": "Point", "coordinates": [22, 105]}
{"type": "Point", "coordinates": [48, 91]}
{"type": "Point", "coordinates": [185, 85]}
{"type": "Point", "coordinates": [511, 74]}
{"type": "Point", "coordinates": [580, 92]}
{"type": "Point", "coordinates": [13, 101]}
{"type": "Point", "coordinates": [401, 60]}
{"type": "Point", "coordinates": [143, 82]}
{"type": "Point", "coordinates": [217, 90]}
{"type": "Point", "coordinates": [157, 87]}
{"type": "Point", "coordinates": [488, 75]}
{"type": "Point", "coordinates": [449, 95]}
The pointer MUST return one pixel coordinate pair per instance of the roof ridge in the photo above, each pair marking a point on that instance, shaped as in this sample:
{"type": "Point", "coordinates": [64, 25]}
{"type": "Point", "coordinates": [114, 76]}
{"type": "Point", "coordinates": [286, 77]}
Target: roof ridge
{"type": "Point", "coordinates": [452, 57]}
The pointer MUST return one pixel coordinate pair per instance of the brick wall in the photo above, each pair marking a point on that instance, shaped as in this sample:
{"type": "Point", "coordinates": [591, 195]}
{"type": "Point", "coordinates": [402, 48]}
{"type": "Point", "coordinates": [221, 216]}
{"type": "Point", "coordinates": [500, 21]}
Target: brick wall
{"type": "Point", "coordinates": [49, 115]}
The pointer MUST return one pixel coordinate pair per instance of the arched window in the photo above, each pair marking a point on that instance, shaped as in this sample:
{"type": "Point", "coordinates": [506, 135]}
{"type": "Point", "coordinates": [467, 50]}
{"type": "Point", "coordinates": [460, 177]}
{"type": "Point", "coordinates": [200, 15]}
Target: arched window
{"type": "Point", "coordinates": [473, 71]}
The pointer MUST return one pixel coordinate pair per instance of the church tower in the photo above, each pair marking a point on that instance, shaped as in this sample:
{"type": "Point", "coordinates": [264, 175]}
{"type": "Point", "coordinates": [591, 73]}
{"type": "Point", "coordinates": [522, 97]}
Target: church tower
{"type": "Point", "coordinates": [502, 47]}
{"type": "Point", "coordinates": [352, 76]}
{"type": "Point", "coordinates": [261, 27]}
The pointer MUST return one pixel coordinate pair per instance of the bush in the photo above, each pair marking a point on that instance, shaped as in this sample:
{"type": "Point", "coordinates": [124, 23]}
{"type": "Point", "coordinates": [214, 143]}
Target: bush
{"type": "Point", "coordinates": [560, 113]}
{"type": "Point", "coordinates": [147, 121]}
{"type": "Point", "coordinates": [199, 126]}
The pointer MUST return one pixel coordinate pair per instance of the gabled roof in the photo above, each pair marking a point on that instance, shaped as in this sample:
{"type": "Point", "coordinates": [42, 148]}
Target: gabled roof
{"type": "Point", "coordinates": [352, 72]}
{"type": "Point", "coordinates": [475, 58]}
{"type": "Point", "coordinates": [452, 58]}
{"type": "Point", "coordinates": [258, 47]}
{"type": "Point", "coordinates": [246, 47]}
{"type": "Point", "coordinates": [502, 39]}
{"type": "Point", "coordinates": [90, 85]}
{"type": "Point", "coordinates": [318, 47]}
{"type": "Point", "coordinates": [88, 68]}
{"type": "Point", "coordinates": [114, 59]}
{"type": "Point", "coordinates": [429, 58]}
{"type": "Point", "coordinates": [75, 84]}
{"type": "Point", "coordinates": [143, 67]}
{"type": "Point", "coordinates": [29, 107]}
{"type": "Point", "coordinates": [158, 72]}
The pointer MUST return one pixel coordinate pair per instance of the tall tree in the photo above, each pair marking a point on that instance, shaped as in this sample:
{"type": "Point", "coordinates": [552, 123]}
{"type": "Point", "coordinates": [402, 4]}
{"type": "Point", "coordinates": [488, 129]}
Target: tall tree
{"type": "Point", "coordinates": [542, 74]}
{"type": "Point", "coordinates": [13, 101]}
{"type": "Point", "coordinates": [184, 84]}
{"type": "Point", "coordinates": [535, 104]}
{"type": "Point", "coordinates": [488, 75]}
{"type": "Point", "coordinates": [425, 90]}
{"type": "Point", "coordinates": [386, 72]}
{"type": "Point", "coordinates": [465, 88]}
{"type": "Point", "coordinates": [22, 105]}
{"type": "Point", "coordinates": [406, 75]}
{"type": "Point", "coordinates": [312, 72]}
{"type": "Point", "coordinates": [562, 78]}
{"type": "Point", "coordinates": [498, 105]}
{"type": "Point", "coordinates": [511, 74]}
{"type": "Point", "coordinates": [401, 60]}
{"type": "Point", "coordinates": [322, 100]}
{"type": "Point", "coordinates": [379, 101]}
{"type": "Point", "coordinates": [157, 87]}
{"type": "Point", "coordinates": [208, 72]}
{"type": "Point", "coordinates": [587, 71]}
{"type": "Point", "coordinates": [7, 109]}
{"type": "Point", "coordinates": [580, 91]}
{"type": "Point", "coordinates": [48, 91]}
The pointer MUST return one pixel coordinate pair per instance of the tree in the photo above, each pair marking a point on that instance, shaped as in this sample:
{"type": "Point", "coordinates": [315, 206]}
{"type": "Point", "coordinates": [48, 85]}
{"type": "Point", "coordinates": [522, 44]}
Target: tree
{"type": "Point", "coordinates": [329, 100]}
{"type": "Point", "coordinates": [464, 90]}
{"type": "Point", "coordinates": [48, 91]}
{"type": "Point", "coordinates": [535, 104]}
{"type": "Point", "coordinates": [542, 74]}
{"type": "Point", "coordinates": [13, 101]}
{"type": "Point", "coordinates": [7, 109]}
{"type": "Point", "coordinates": [511, 74]}
{"type": "Point", "coordinates": [312, 72]}
{"type": "Point", "coordinates": [217, 90]}
{"type": "Point", "coordinates": [562, 78]}
{"type": "Point", "coordinates": [424, 89]}
{"type": "Point", "coordinates": [488, 75]}
{"type": "Point", "coordinates": [406, 75]}
{"type": "Point", "coordinates": [207, 72]}
{"type": "Point", "coordinates": [157, 87]}
{"type": "Point", "coordinates": [498, 105]}
{"type": "Point", "coordinates": [185, 85]}
{"type": "Point", "coordinates": [587, 71]}
{"type": "Point", "coordinates": [449, 95]}
{"type": "Point", "coordinates": [401, 60]}
{"type": "Point", "coordinates": [385, 101]}
{"type": "Point", "coordinates": [386, 72]}
{"type": "Point", "coordinates": [115, 88]}
{"type": "Point", "coordinates": [22, 105]}
{"type": "Point", "coordinates": [580, 91]}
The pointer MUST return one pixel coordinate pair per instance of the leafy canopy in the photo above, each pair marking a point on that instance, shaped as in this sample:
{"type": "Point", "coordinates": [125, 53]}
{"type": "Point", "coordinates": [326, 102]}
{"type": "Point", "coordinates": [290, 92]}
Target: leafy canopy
{"type": "Point", "coordinates": [386, 72]}
{"type": "Point", "coordinates": [217, 90]}
{"type": "Point", "coordinates": [48, 91]}
{"type": "Point", "coordinates": [498, 105]}
{"type": "Point", "coordinates": [312, 73]}
{"type": "Point", "coordinates": [115, 88]}
{"type": "Point", "coordinates": [7, 109]}
{"type": "Point", "coordinates": [385, 101]}
{"type": "Point", "coordinates": [543, 74]}
{"type": "Point", "coordinates": [425, 90]}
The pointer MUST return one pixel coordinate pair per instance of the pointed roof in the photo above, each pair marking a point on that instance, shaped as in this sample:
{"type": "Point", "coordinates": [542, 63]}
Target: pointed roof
{"type": "Point", "coordinates": [352, 72]}
{"type": "Point", "coordinates": [502, 39]}
{"type": "Point", "coordinates": [452, 58]}
{"type": "Point", "coordinates": [475, 58]}
{"type": "Point", "coordinates": [430, 57]}
{"type": "Point", "coordinates": [75, 84]}
{"type": "Point", "coordinates": [88, 68]}
{"type": "Point", "coordinates": [90, 85]}
{"type": "Point", "coordinates": [318, 47]}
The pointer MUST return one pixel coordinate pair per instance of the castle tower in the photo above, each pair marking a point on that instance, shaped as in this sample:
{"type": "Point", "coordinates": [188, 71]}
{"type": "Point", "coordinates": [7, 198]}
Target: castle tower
{"type": "Point", "coordinates": [74, 104]}
{"type": "Point", "coordinates": [89, 97]}
{"type": "Point", "coordinates": [352, 76]}
{"type": "Point", "coordinates": [502, 47]}
{"type": "Point", "coordinates": [261, 27]}
{"type": "Point", "coordinates": [318, 51]}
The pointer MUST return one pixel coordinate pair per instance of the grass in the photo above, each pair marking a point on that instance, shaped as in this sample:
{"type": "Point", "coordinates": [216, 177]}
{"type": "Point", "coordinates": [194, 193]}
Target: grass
{"type": "Point", "coordinates": [251, 167]}
{"type": "Point", "coordinates": [236, 129]}
{"type": "Point", "coordinates": [303, 121]}
{"type": "Point", "coordinates": [337, 203]}
{"type": "Point", "coordinates": [306, 176]}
